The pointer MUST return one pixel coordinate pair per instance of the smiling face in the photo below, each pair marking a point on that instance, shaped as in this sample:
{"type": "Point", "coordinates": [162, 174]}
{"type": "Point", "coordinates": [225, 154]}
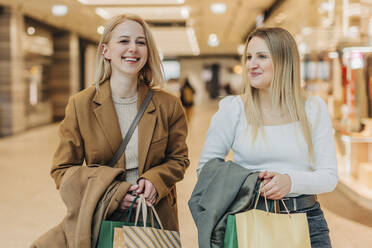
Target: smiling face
{"type": "Point", "coordinates": [259, 64]}
{"type": "Point", "coordinates": [127, 49]}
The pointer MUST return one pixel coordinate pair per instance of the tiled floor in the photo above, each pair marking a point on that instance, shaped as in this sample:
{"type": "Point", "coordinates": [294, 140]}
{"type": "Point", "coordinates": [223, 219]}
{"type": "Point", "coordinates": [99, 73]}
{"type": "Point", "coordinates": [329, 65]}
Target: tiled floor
{"type": "Point", "coordinates": [30, 204]}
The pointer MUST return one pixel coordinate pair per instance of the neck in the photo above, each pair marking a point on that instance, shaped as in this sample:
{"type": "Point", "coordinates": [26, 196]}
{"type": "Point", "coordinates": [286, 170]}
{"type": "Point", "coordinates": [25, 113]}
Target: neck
{"type": "Point", "coordinates": [123, 86]}
{"type": "Point", "coordinates": [265, 99]}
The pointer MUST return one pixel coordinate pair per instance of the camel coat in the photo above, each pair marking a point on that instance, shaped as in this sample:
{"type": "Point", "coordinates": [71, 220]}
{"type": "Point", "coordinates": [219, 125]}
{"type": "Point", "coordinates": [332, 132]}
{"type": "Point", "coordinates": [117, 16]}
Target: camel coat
{"type": "Point", "coordinates": [91, 133]}
{"type": "Point", "coordinates": [81, 190]}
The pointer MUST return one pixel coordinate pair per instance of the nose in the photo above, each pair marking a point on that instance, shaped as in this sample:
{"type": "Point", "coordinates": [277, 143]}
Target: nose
{"type": "Point", "coordinates": [252, 63]}
{"type": "Point", "coordinates": [132, 46]}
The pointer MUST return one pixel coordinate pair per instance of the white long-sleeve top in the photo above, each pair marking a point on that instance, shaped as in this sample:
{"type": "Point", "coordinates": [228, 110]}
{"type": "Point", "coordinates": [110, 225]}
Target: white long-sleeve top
{"type": "Point", "coordinates": [282, 149]}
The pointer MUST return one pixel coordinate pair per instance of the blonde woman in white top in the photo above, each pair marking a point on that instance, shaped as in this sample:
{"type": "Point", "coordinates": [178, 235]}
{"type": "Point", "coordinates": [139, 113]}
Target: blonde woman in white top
{"type": "Point", "coordinates": [275, 129]}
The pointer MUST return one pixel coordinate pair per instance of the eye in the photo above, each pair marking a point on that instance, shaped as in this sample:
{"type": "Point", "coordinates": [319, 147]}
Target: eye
{"type": "Point", "coordinates": [141, 42]}
{"type": "Point", "coordinates": [262, 56]}
{"type": "Point", "coordinates": [125, 41]}
{"type": "Point", "coordinates": [249, 57]}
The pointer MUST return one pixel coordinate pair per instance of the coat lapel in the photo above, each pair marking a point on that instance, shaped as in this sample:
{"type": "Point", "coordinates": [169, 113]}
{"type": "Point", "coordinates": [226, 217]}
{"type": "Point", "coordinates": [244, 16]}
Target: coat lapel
{"type": "Point", "coordinates": [107, 117]}
{"type": "Point", "coordinates": [146, 127]}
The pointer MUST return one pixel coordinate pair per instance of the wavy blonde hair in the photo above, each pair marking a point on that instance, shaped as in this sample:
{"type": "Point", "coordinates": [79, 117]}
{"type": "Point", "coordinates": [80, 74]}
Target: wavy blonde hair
{"type": "Point", "coordinates": [285, 87]}
{"type": "Point", "coordinates": [151, 73]}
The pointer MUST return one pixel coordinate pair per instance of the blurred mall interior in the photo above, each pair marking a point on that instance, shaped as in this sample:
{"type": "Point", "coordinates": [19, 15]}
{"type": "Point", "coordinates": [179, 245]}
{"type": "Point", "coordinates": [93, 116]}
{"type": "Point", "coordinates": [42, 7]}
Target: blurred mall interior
{"type": "Point", "coordinates": [47, 53]}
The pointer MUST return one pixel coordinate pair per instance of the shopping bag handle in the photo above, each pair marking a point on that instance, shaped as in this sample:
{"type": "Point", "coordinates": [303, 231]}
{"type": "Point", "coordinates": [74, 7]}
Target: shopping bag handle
{"type": "Point", "coordinates": [267, 208]}
{"type": "Point", "coordinates": [143, 207]}
{"type": "Point", "coordinates": [144, 210]}
{"type": "Point", "coordinates": [130, 210]}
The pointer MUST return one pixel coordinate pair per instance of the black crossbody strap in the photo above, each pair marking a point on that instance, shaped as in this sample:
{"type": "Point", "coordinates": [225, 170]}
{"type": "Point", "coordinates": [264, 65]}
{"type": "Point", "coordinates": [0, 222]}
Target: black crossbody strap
{"type": "Point", "coordinates": [132, 127]}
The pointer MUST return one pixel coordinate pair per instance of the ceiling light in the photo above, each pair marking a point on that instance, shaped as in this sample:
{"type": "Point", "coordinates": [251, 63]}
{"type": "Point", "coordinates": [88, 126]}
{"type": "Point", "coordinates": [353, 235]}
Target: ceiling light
{"type": "Point", "coordinates": [100, 29]}
{"type": "Point", "coordinates": [152, 13]}
{"type": "Point", "coordinates": [30, 30]}
{"type": "Point", "coordinates": [213, 40]}
{"type": "Point", "coordinates": [193, 42]}
{"type": "Point", "coordinates": [218, 8]}
{"type": "Point", "coordinates": [103, 13]}
{"type": "Point", "coordinates": [185, 12]}
{"type": "Point", "coordinates": [131, 2]}
{"type": "Point", "coordinates": [59, 10]}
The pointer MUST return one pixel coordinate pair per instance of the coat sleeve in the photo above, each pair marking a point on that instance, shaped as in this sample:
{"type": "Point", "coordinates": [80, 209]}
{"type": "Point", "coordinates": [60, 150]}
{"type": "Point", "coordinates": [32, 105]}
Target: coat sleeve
{"type": "Point", "coordinates": [172, 170]}
{"type": "Point", "coordinates": [70, 151]}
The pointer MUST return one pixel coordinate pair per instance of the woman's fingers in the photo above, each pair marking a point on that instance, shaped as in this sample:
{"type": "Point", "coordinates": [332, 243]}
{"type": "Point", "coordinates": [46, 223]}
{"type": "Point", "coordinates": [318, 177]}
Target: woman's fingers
{"type": "Point", "coordinates": [148, 189]}
{"type": "Point", "coordinates": [270, 174]}
{"type": "Point", "coordinates": [141, 185]}
{"type": "Point", "coordinates": [277, 187]}
{"type": "Point", "coordinates": [268, 184]}
{"type": "Point", "coordinates": [269, 189]}
{"type": "Point", "coordinates": [262, 174]}
{"type": "Point", "coordinates": [127, 201]}
{"type": "Point", "coordinates": [133, 187]}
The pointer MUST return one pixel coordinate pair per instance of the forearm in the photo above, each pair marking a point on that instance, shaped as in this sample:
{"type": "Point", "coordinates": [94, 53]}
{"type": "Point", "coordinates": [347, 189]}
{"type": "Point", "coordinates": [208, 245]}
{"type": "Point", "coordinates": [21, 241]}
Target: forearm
{"type": "Point", "coordinates": [313, 182]}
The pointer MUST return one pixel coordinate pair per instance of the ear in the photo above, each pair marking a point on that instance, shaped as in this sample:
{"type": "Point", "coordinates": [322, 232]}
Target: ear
{"type": "Point", "coordinates": [105, 52]}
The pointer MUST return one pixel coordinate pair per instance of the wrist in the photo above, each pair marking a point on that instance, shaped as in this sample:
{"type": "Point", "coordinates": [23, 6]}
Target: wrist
{"type": "Point", "coordinates": [288, 182]}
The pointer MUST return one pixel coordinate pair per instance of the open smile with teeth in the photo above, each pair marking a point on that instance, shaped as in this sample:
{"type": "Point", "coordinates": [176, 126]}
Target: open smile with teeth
{"type": "Point", "coordinates": [131, 59]}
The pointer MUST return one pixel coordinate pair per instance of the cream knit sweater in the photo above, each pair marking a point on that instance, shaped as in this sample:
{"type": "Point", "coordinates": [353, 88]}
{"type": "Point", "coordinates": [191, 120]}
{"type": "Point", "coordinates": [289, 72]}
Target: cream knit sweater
{"type": "Point", "coordinates": [126, 109]}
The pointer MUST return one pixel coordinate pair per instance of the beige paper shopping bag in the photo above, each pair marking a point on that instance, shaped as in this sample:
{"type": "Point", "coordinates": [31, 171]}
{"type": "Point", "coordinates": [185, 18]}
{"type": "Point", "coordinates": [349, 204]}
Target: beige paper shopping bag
{"type": "Point", "coordinates": [140, 237]}
{"type": "Point", "coordinates": [262, 229]}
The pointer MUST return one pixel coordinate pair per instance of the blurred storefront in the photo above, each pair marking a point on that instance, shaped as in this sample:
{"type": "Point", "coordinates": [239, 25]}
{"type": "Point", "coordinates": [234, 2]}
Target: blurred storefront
{"type": "Point", "coordinates": [43, 61]}
{"type": "Point", "coordinates": [41, 66]}
{"type": "Point", "coordinates": [335, 42]}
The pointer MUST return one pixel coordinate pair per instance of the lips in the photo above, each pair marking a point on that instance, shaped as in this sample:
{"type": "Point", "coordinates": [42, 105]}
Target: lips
{"type": "Point", "coordinates": [131, 59]}
{"type": "Point", "coordinates": [255, 74]}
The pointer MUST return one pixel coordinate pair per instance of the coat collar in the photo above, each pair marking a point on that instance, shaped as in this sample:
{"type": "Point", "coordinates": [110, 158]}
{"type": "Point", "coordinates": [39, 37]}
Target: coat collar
{"type": "Point", "coordinates": [107, 118]}
{"type": "Point", "coordinates": [104, 93]}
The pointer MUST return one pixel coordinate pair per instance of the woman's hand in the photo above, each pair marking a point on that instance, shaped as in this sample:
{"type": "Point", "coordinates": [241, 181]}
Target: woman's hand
{"type": "Point", "coordinates": [128, 198]}
{"type": "Point", "coordinates": [148, 190]}
{"type": "Point", "coordinates": [275, 185]}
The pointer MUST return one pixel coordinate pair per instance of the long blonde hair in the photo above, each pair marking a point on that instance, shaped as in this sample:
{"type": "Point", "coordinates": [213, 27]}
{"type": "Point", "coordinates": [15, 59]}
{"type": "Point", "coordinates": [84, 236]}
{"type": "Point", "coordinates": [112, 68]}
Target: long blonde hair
{"type": "Point", "coordinates": [151, 73]}
{"type": "Point", "coordinates": [285, 87]}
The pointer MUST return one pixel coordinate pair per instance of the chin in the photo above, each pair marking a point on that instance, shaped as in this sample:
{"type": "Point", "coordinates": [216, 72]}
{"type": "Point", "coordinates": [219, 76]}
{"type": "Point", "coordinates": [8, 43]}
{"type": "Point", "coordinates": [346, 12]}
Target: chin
{"type": "Point", "coordinates": [130, 72]}
{"type": "Point", "coordinates": [260, 86]}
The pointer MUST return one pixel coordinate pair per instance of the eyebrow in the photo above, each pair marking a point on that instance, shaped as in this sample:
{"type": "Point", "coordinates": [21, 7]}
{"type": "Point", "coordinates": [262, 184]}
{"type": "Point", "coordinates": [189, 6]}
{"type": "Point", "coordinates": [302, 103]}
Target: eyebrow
{"type": "Point", "coordinates": [259, 52]}
{"type": "Point", "coordinates": [126, 36]}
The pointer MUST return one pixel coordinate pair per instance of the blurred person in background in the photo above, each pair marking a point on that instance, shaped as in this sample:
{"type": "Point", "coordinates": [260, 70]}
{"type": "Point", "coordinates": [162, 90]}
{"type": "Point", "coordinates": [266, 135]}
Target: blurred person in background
{"type": "Point", "coordinates": [95, 123]}
{"type": "Point", "coordinates": [274, 128]}
{"type": "Point", "coordinates": [187, 98]}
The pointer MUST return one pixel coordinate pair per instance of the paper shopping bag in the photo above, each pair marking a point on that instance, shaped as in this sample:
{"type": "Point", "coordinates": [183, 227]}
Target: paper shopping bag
{"type": "Point", "coordinates": [106, 231]}
{"type": "Point", "coordinates": [259, 228]}
{"type": "Point", "coordinates": [140, 237]}
{"type": "Point", "coordinates": [230, 240]}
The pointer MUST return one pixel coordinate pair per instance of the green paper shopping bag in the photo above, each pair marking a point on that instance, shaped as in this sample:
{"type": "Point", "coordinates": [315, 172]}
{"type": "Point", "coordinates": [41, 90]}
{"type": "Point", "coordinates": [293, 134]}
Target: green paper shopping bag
{"type": "Point", "coordinates": [106, 231]}
{"type": "Point", "coordinates": [230, 240]}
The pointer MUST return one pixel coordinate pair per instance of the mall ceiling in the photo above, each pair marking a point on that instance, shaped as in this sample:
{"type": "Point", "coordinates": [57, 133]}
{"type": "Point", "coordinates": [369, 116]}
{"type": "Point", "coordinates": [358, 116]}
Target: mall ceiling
{"type": "Point", "coordinates": [181, 27]}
